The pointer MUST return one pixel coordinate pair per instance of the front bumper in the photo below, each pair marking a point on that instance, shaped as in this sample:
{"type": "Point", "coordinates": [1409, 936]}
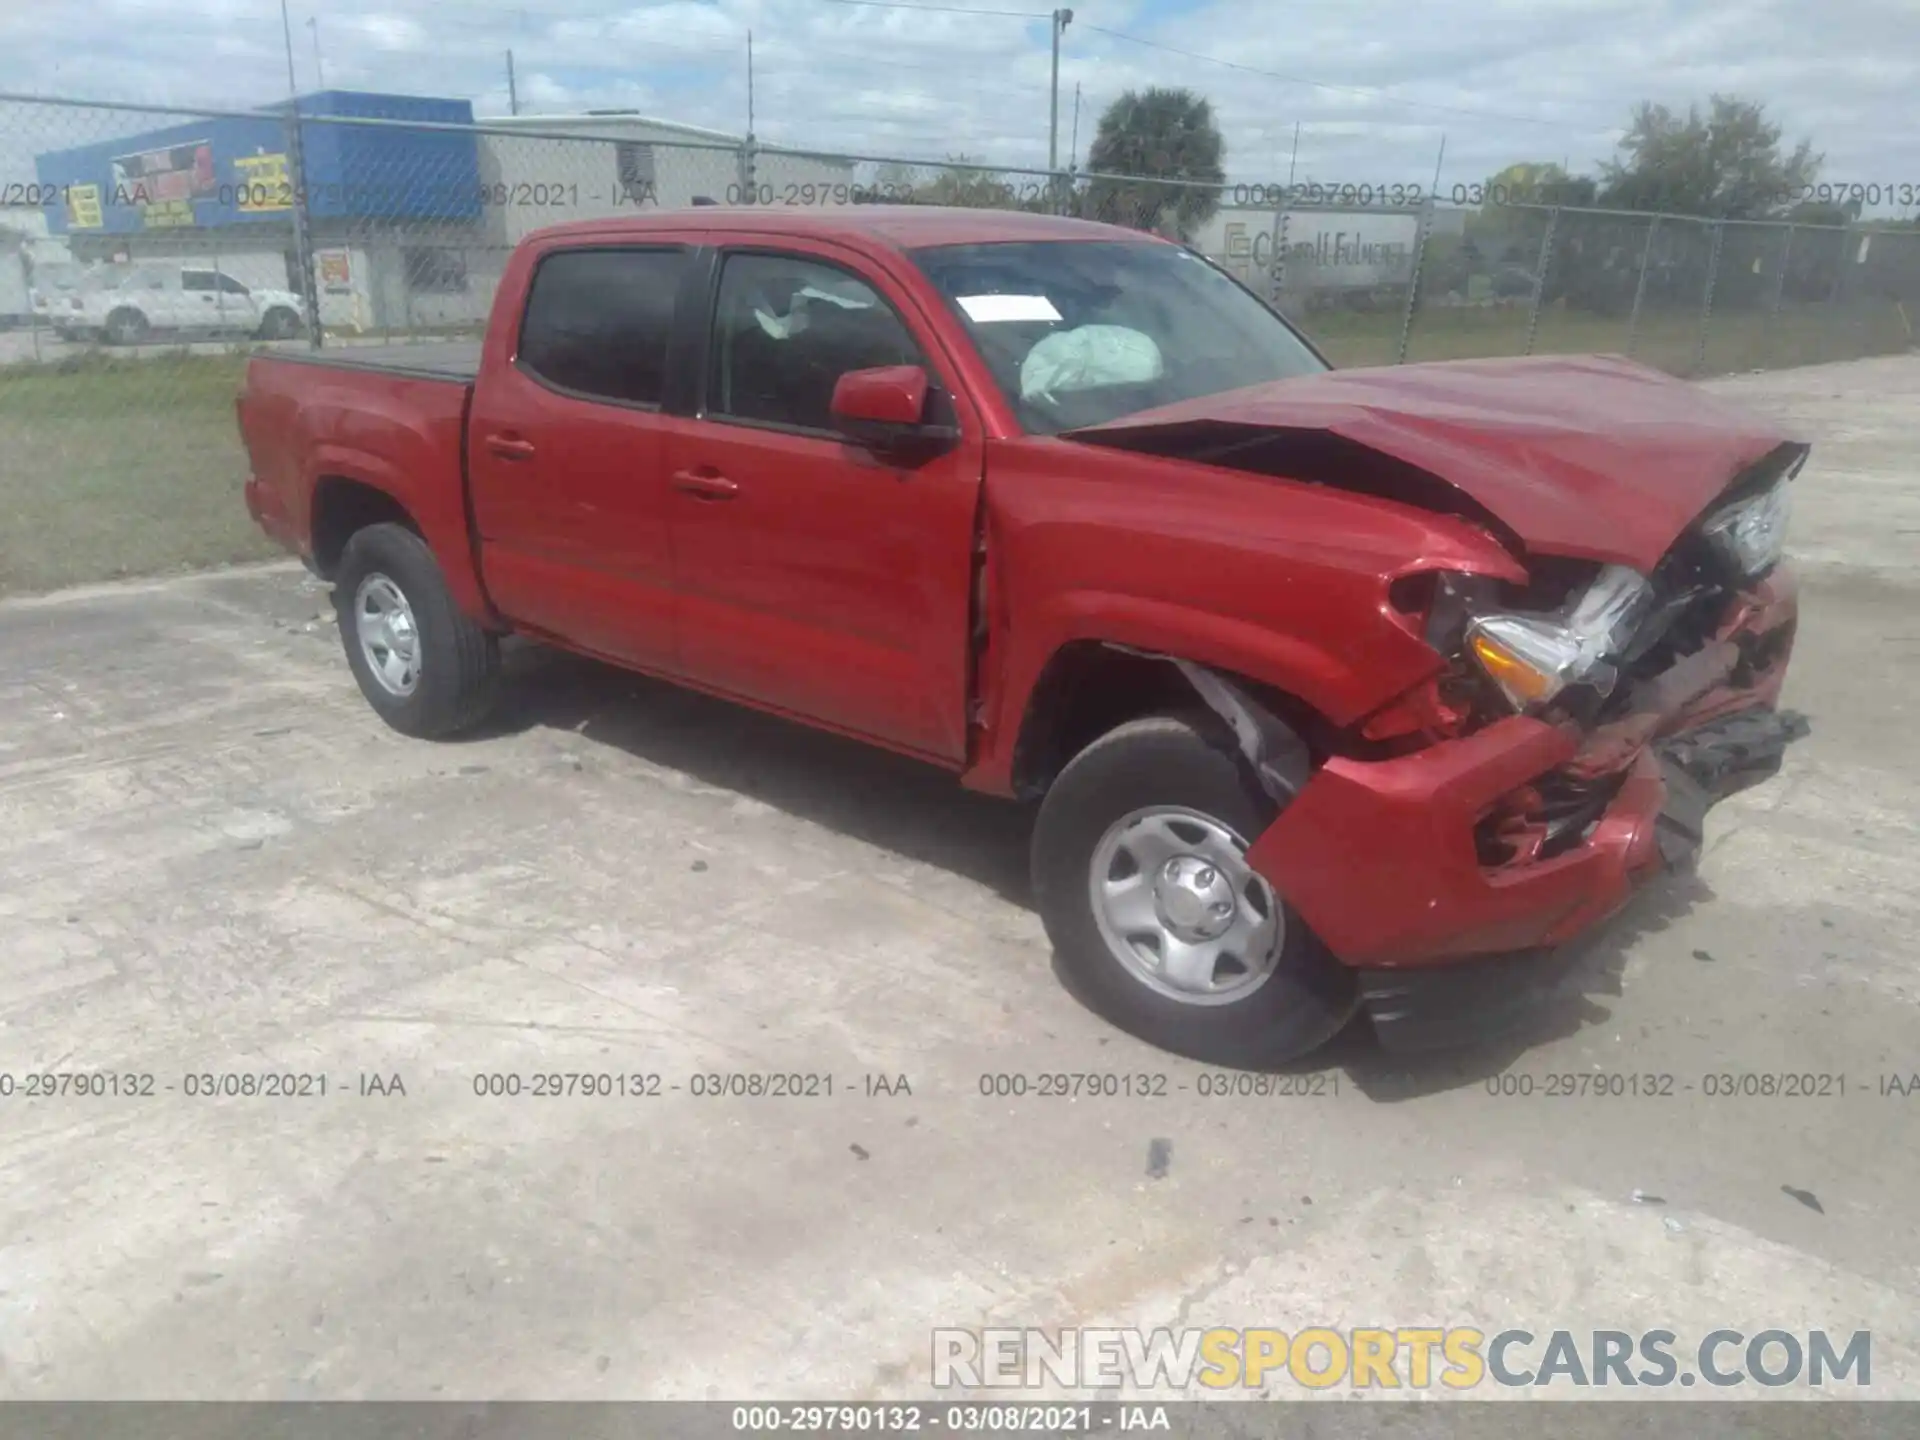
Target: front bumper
{"type": "Point", "coordinates": [1384, 861]}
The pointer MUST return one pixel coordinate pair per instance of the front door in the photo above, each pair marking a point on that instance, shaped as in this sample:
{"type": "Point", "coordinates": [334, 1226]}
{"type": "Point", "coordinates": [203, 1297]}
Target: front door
{"type": "Point", "coordinates": [816, 576]}
{"type": "Point", "coordinates": [566, 454]}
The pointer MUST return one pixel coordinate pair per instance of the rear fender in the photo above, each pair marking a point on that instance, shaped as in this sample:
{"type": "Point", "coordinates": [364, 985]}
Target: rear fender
{"type": "Point", "coordinates": [435, 508]}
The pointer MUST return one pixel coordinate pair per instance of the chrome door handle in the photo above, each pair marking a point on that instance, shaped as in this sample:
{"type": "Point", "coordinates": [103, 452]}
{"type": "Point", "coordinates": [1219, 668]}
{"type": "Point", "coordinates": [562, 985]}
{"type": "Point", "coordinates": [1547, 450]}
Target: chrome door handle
{"type": "Point", "coordinates": [510, 447]}
{"type": "Point", "coordinates": [705, 485]}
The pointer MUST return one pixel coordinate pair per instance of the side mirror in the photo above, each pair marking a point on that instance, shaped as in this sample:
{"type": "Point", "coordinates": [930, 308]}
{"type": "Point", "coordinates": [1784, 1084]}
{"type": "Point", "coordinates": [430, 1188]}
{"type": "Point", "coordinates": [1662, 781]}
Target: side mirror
{"type": "Point", "coordinates": [885, 409]}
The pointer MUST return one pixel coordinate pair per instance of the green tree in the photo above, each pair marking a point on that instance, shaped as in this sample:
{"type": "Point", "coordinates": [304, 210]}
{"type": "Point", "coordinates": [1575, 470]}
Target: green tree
{"type": "Point", "coordinates": [1726, 164]}
{"type": "Point", "coordinates": [1157, 135]}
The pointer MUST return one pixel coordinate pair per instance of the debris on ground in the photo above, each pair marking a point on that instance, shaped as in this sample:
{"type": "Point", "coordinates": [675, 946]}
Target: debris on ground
{"type": "Point", "coordinates": [1805, 1197]}
{"type": "Point", "coordinates": [1159, 1157]}
{"type": "Point", "coordinates": [1641, 1197]}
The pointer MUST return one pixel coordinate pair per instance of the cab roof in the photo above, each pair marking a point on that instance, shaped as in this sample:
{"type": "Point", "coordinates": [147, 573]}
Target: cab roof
{"type": "Point", "coordinates": [904, 227]}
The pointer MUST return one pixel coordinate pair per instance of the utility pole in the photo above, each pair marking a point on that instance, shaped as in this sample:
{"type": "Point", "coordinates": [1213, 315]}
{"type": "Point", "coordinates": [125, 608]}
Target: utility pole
{"type": "Point", "coordinates": [1294, 163]}
{"type": "Point", "coordinates": [296, 174]}
{"type": "Point", "coordinates": [286, 27]}
{"type": "Point", "coordinates": [1061, 19]}
{"type": "Point", "coordinates": [749, 171]}
{"type": "Point", "coordinates": [513, 93]}
{"type": "Point", "coordinates": [319, 70]}
{"type": "Point", "coordinates": [1073, 145]}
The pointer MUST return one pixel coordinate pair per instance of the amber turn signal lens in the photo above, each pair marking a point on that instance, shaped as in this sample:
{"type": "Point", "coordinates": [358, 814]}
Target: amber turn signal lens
{"type": "Point", "coordinates": [1514, 675]}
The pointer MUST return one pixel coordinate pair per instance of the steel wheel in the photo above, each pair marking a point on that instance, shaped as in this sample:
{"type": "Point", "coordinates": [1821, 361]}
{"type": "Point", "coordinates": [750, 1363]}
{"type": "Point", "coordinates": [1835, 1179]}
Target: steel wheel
{"type": "Point", "coordinates": [1180, 909]}
{"type": "Point", "coordinates": [388, 634]}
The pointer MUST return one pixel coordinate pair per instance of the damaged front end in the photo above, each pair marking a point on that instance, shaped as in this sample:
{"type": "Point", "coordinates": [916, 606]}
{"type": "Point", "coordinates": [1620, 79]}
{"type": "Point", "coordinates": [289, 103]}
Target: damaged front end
{"type": "Point", "coordinates": [1570, 747]}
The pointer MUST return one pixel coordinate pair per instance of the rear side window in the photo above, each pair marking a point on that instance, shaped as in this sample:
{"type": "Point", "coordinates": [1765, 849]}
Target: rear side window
{"type": "Point", "coordinates": [196, 280]}
{"type": "Point", "coordinates": [598, 322]}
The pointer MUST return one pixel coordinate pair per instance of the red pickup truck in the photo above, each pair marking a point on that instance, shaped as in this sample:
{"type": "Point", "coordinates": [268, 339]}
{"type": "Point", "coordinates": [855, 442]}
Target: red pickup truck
{"type": "Point", "coordinates": [1336, 689]}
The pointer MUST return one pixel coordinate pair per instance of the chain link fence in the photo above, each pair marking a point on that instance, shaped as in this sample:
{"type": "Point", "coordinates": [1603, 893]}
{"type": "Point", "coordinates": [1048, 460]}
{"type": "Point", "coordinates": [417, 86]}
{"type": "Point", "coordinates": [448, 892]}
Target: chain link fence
{"type": "Point", "coordinates": [145, 250]}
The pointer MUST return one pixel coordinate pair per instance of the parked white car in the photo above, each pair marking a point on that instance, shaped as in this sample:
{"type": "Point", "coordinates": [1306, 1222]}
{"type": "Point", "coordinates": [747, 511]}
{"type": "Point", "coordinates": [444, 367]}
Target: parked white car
{"type": "Point", "coordinates": [126, 305]}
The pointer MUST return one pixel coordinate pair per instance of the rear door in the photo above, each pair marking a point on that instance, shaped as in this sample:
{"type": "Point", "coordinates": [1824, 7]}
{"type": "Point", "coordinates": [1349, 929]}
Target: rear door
{"type": "Point", "coordinates": [196, 304]}
{"type": "Point", "coordinates": [566, 455]}
{"type": "Point", "coordinates": [816, 576]}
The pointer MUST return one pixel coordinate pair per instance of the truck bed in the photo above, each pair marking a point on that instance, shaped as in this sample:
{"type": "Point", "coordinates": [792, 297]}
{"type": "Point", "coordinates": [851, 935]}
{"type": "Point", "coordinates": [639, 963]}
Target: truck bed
{"type": "Point", "coordinates": [455, 360]}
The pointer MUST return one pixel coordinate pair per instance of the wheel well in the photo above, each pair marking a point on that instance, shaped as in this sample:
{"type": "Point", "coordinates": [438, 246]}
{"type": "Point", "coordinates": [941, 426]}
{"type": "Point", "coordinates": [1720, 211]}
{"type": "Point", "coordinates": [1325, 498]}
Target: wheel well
{"type": "Point", "coordinates": [1090, 687]}
{"type": "Point", "coordinates": [340, 508]}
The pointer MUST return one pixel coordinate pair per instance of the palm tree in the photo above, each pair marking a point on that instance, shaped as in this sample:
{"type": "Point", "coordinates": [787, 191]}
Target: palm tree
{"type": "Point", "coordinates": [1156, 135]}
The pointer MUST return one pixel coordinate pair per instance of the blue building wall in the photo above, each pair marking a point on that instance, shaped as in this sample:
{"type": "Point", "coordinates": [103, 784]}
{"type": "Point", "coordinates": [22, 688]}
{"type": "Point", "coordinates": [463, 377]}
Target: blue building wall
{"type": "Point", "coordinates": [233, 171]}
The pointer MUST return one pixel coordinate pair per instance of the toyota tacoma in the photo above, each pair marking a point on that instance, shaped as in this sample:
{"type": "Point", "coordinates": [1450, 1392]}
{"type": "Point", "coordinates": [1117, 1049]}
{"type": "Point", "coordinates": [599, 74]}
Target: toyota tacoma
{"type": "Point", "coordinates": [1336, 690]}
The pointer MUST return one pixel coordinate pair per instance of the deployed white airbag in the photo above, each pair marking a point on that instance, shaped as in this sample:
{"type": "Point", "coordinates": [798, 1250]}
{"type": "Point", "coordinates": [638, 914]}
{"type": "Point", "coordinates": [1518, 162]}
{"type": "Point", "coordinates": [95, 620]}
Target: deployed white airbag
{"type": "Point", "coordinates": [1087, 357]}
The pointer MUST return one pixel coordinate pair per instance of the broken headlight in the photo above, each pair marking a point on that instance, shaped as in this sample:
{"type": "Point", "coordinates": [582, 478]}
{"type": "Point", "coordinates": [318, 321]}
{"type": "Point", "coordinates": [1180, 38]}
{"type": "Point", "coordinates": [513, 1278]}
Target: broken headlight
{"type": "Point", "coordinates": [1533, 657]}
{"type": "Point", "coordinates": [1753, 532]}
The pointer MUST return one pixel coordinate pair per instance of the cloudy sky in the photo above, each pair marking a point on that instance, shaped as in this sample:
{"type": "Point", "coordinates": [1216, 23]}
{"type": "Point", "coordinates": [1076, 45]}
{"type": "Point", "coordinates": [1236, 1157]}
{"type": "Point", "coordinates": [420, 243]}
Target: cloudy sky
{"type": "Point", "coordinates": [1374, 85]}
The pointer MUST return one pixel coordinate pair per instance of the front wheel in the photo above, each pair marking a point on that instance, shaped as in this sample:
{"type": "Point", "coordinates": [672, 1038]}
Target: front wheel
{"type": "Point", "coordinates": [279, 323]}
{"type": "Point", "coordinates": [1140, 870]}
{"type": "Point", "coordinates": [426, 667]}
{"type": "Point", "coordinates": [126, 327]}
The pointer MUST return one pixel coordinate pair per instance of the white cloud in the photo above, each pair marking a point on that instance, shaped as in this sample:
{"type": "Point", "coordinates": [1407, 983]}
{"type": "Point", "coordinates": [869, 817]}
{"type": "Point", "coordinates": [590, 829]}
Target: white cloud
{"type": "Point", "coordinates": [1502, 81]}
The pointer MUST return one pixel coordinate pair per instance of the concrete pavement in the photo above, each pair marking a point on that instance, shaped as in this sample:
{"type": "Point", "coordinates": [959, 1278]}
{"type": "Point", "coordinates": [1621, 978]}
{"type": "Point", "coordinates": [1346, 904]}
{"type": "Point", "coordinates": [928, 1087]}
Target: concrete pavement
{"type": "Point", "coordinates": [215, 862]}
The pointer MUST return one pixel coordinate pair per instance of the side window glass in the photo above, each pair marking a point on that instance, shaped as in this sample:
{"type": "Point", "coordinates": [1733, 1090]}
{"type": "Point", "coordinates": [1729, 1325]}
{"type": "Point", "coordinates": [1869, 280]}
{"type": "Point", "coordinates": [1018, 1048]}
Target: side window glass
{"type": "Point", "coordinates": [598, 322]}
{"type": "Point", "coordinates": [786, 329]}
{"type": "Point", "coordinates": [228, 285]}
{"type": "Point", "coordinates": [194, 280]}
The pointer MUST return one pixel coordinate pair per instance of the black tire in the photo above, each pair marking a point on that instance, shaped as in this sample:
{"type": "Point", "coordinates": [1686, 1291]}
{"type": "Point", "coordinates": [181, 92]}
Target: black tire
{"type": "Point", "coordinates": [126, 327]}
{"type": "Point", "coordinates": [279, 323]}
{"type": "Point", "coordinates": [458, 662]}
{"type": "Point", "coordinates": [1187, 761]}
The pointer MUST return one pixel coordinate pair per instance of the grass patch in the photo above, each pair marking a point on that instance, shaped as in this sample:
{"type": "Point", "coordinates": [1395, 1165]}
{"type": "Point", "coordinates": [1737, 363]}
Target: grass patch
{"type": "Point", "coordinates": [1737, 340]}
{"type": "Point", "coordinates": [114, 466]}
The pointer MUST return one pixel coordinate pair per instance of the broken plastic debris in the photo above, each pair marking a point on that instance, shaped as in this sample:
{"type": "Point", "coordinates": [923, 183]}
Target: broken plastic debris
{"type": "Point", "coordinates": [1805, 1197]}
{"type": "Point", "coordinates": [1159, 1157]}
{"type": "Point", "coordinates": [1641, 1197]}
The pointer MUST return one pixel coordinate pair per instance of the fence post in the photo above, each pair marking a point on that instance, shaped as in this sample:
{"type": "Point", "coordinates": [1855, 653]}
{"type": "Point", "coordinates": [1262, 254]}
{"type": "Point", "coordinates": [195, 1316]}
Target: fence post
{"type": "Point", "coordinates": [1413, 281]}
{"type": "Point", "coordinates": [1277, 257]}
{"type": "Point", "coordinates": [302, 238]}
{"type": "Point", "coordinates": [1640, 285]}
{"type": "Point", "coordinates": [1780, 280]}
{"type": "Point", "coordinates": [1706, 308]}
{"type": "Point", "coordinates": [749, 180]}
{"type": "Point", "coordinates": [1540, 277]}
{"type": "Point", "coordinates": [1779, 294]}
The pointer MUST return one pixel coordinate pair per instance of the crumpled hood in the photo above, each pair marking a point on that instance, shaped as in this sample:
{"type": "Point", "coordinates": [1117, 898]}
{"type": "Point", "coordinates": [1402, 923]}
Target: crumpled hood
{"type": "Point", "coordinates": [1588, 456]}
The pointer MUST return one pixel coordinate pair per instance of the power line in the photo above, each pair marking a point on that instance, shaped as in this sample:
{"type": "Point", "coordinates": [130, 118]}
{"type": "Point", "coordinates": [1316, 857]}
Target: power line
{"type": "Point", "coordinates": [1372, 90]}
{"type": "Point", "coordinates": [945, 9]}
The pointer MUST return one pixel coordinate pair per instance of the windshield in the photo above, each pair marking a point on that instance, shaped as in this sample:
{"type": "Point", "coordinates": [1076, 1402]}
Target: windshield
{"type": "Point", "coordinates": [1082, 332]}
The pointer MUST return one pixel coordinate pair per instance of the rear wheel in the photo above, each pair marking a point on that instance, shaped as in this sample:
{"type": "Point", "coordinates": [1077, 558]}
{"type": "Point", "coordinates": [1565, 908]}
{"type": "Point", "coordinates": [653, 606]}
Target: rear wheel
{"type": "Point", "coordinates": [426, 667]}
{"type": "Point", "coordinates": [279, 323]}
{"type": "Point", "coordinates": [126, 327]}
{"type": "Point", "coordinates": [1139, 865]}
